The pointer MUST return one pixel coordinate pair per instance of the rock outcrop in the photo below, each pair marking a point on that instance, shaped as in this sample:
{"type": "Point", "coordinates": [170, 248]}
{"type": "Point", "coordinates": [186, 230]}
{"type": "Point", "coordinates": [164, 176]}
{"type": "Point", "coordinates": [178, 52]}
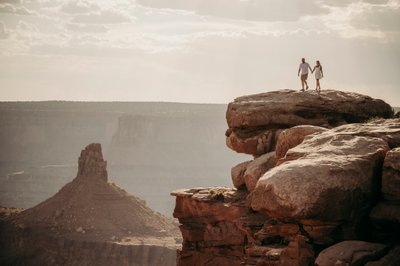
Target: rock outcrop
{"type": "Point", "coordinates": [256, 121]}
{"type": "Point", "coordinates": [313, 182]}
{"type": "Point", "coordinates": [89, 216]}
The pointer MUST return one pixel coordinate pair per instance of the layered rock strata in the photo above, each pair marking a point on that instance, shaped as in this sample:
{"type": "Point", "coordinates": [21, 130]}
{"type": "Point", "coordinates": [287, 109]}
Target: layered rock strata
{"type": "Point", "coordinates": [219, 228]}
{"type": "Point", "coordinates": [315, 190]}
{"type": "Point", "coordinates": [89, 222]}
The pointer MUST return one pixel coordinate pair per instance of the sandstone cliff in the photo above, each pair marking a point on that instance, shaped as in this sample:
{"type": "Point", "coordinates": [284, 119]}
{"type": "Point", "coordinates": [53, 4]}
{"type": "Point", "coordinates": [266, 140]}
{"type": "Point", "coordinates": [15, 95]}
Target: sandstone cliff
{"type": "Point", "coordinates": [330, 180]}
{"type": "Point", "coordinates": [89, 222]}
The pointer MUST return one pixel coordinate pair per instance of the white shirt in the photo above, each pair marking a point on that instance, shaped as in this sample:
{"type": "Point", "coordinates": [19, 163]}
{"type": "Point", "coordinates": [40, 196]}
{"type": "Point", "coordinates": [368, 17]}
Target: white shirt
{"type": "Point", "coordinates": [304, 68]}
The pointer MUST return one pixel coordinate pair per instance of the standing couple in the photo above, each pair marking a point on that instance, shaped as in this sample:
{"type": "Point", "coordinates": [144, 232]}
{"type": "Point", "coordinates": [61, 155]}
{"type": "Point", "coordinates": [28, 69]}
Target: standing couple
{"type": "Point", "coordinates": [303, 69]}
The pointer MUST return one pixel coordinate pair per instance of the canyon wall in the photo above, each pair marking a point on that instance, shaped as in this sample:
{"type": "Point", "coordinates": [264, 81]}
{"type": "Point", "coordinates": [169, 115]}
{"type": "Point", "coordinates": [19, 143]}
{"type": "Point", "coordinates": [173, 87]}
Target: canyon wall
{"type": "Point", "coordinates": [26, 247]}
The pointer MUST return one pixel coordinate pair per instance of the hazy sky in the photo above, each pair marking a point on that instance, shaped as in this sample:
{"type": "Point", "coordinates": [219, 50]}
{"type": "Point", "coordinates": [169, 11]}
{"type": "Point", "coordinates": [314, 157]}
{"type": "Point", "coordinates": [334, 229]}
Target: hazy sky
{"type": "Point", "coordinates": [194, 50]}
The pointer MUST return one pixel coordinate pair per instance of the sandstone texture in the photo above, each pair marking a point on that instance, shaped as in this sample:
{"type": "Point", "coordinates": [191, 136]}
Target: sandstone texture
{"type": "Point", "coordinates": [391, 176]}
{"type": "Point", "coordinates": [385, 216]}
{"type": "Point", "coordinates": [90, 222]}
{"type": "Point", "coordinates": [257, 168]}
{"type": "Point", "coordinates": [245, 175]}
{"type": "Point", "coordinates": [350, 253]}
{"type": "Point", "coordinates": [256, 121]}
{"type": "Point", "coordinates": [321, 175]}
{"type": "Point", "coordinates": [292, 137]}
{"type": "Point", "coordinates": [219, 228]}
{"type": "Point", "coordinates": [335, 173]}
{"type": "Point", "coordinates": [237, 174]}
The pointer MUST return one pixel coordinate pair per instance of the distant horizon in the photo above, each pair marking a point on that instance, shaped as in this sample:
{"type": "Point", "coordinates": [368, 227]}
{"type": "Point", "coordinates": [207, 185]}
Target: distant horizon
{"type": "Point", "coordinates": [153, 101]}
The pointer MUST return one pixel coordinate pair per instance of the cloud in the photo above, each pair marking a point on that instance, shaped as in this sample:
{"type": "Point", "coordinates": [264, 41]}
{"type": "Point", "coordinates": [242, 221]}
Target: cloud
{"type": "Point", "coordinates": [378, 18]}
{"type": "Point", "coordinates": [10, 1]}
{"type": "Point", "coordinates": [89, 28]}
{"type": "Point", "coordinates": [102, 17]}
{"type": "Point", "coordinates": [9, 8]}
{"type": "Point", "coordinates": [343, 3]}
{"type": "Point", "coordinates": [252, 10]}
{"type": "Point", "coordinates": [3, 31]}
{"type": "Point", "coordinates": [26, 27]}
{"type": "Point", "coordinates": [28, 31]}
{"type": "Point", "coordinates": [79, 7]}
{"type": "Point", "coordinates": [376, 2]}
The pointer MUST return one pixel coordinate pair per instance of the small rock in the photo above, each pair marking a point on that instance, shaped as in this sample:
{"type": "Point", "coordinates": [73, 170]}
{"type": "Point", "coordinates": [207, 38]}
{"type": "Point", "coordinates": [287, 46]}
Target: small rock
{"type": "Point", "coordinates": [237, 174]}
{"type": "Point", "coordinates": [292, 137]}
{"type": "Point", "coordinates": [256, 168]}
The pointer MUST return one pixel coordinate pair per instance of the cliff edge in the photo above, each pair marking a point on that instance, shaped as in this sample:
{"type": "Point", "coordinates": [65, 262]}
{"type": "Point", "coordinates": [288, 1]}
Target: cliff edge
{"type": "Point", "coordinates": [321, 187]}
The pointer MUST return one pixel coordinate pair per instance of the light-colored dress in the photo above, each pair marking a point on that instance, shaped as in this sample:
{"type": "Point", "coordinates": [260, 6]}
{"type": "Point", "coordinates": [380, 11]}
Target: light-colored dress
{"type": "Point", "coordinates": [318, 72]}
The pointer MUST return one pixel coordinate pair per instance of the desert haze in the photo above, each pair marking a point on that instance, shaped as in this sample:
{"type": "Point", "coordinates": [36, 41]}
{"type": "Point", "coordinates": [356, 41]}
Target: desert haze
{"type": "Point", "coordinates": [151, 148]}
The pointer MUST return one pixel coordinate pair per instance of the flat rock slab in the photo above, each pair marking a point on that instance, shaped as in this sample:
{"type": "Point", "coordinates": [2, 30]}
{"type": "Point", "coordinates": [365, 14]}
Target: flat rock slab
{"type": "Point", "coordinates": [254, 121]}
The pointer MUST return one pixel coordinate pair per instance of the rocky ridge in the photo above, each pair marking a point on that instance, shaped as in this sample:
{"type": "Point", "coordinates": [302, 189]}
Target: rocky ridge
{"type": "Point", "coordinates": [321, 175]}
{"type": "Point", "coordinates": [89, 216]}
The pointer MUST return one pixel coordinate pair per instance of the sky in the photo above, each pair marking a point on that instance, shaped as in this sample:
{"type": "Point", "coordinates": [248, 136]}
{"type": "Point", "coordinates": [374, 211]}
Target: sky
{"type": "Point", "coordinates": [198, 51]}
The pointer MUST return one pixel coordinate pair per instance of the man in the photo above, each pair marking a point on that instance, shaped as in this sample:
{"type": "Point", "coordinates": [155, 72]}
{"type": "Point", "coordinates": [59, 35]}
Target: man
{"type": "Point", "coordinates": [304, 67]}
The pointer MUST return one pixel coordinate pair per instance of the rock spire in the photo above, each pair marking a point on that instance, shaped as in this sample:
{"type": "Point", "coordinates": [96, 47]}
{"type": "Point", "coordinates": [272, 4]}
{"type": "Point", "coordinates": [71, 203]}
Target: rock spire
{"type": "Point", "coordinates": [91, 163]}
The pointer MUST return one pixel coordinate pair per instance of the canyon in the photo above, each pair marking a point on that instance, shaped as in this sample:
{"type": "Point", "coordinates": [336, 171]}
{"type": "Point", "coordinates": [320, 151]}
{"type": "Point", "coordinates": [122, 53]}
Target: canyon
{"type": "Point", "coordinates": [163, 145]}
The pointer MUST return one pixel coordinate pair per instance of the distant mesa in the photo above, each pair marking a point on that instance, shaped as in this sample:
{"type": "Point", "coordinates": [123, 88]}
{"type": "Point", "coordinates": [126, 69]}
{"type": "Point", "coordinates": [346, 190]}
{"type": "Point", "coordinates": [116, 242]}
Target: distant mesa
{"type": "Point", "coordinates": [90, 209]}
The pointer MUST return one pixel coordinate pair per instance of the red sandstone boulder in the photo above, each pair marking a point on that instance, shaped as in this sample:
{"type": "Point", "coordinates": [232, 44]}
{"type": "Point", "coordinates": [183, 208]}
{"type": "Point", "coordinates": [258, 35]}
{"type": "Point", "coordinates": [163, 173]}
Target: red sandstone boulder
{"type": "Point", "coordinates": [245, 175]}
{"type": "Point", "coordinates": [256, 168]}
{"type": "Point", "coordinates": [237, 174]}
{"type": "Point", "coordinates": [252, 143]}
{"type": "Point", "coordinates": [292, 137]}
{"type": "Point", "coordinates": [255, 121]}
{"type": "Point", "coordinates": [328, 177]}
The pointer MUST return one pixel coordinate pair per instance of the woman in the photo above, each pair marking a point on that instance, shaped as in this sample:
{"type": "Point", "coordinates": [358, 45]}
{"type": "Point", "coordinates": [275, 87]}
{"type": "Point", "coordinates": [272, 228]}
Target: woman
{"type": "Point", "coordinates": [319, 74]}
